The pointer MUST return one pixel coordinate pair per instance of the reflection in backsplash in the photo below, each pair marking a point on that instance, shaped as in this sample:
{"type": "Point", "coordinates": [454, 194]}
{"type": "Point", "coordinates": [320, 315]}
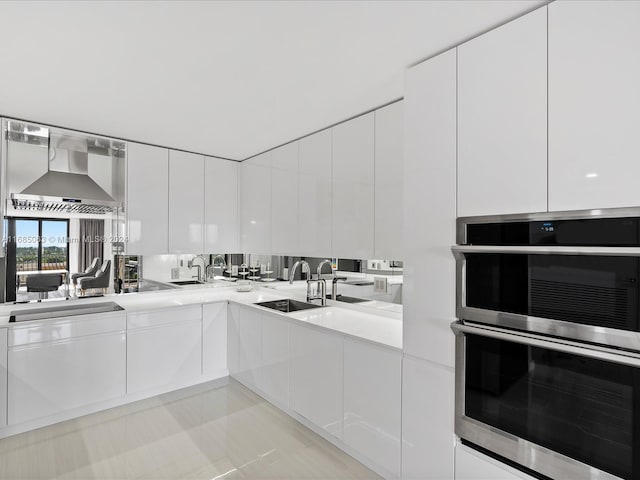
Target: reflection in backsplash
{"type": "Point", "coordinates": [374, 279]}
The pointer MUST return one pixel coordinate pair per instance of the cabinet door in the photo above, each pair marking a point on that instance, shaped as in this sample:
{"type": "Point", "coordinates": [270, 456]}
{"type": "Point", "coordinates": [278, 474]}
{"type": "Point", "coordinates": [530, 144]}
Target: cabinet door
{"type": "Point", "coordinates": [594, 100]}
{"type": "Point", "coordinates": [353, 188]}
{"type": "Point", "coordinates": [255, 205]}
{"type": "Point", "coordinates": [147, 206]}
{"type": "Point", "coordinates": [284, 200]}
{"type": "Point", "coordinates": [245, 344]}
{"type": "Point", "coordinates": [502, 119]}
{"type": "Point", "coordinates": [429, 292]}
{"type": "Point", "coordinates": [220, 206]}
{"type": "Point", "coordinates": [314, 198]}
{"type": "Point", "coordinates": [274, 376]}
{"type": "Point", "coordinates": [51, 377]}
{"type": "Point", "coordinates": [186, 202]}
{"type": "Point", "coordinates": [472, 465]}
{"type": "Point", "coordinates": [214, 339]}
{"type": "Point", "coordinates": [165, 356]}
{"type": "Point", "coordinates": [316, 377]}
{"type": "Point", "coordinates": [389, 178]}
{"type": "Point", "coordinates": [372, 388]}
{"type": "Point", "coordinates": [3, 377]}
{"type": "Point", "coordinates": [427, 420]}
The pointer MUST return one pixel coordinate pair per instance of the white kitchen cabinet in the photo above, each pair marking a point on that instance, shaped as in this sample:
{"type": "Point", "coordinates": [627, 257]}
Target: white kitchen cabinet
{"type": "Point", "coordinates": [3, 377]}
{"type": "Point", "coordinates": [255, 205]}
{"type": "Point", "coordinates": [214, 340]}
{"type": "Point", "coordinates": [594, 73]}
{"type": "Point", "coordinates": [502, 119]}
{"type": "Point", "coordinates": [389, 180]}
{"type": "Point", "coordinates": [245, 344]}
{"type": "Point", "coordinates": [274, 376]}
{"type": "Point", "coordinates": [164, 349]}
{"type": "Point", "coordinates": [428, 439]}
{"type": "Point", "coordinates": [284, 200]}
{"type": "Point", "coordinates": [372, 405]}
{"type": "Point", "coordinates": [315, 197]}
{"type": "Point", "coordinates": [147, 207]}
{"type": "Point", "coordinates": [429, 292]}
{"type": "Point", "coordinates": [353, 171]}
{"type": "Point", "coordinates": [316, 377]}
{"type": "Point", "coordinates": [186, 202]}
{"type": "Point", "coordinates": [473, 465]}
{"type": "Point", "coordinates": [220, 206]}
{"type": "Point", "coordinates": [65, 363]}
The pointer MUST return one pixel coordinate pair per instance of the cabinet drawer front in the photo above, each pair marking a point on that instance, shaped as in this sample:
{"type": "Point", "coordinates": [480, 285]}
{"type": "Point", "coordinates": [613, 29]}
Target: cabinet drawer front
{"type": "Point", "coordinates": [49, 378]}
{"type": "Point", "coordinates": [66, 327]}
{"type": "Point", "coordinates": [154, 318]}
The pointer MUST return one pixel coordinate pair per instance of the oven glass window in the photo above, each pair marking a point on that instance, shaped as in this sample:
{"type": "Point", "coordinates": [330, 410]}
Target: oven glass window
{"type": "Point", "coordinates": [591, 290]}
{"type": "Point", "coordinates": [584, 408]}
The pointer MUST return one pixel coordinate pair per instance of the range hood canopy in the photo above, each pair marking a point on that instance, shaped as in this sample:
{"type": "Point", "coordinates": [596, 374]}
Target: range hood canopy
{"type": "Point", "coordinates": [67, 186]}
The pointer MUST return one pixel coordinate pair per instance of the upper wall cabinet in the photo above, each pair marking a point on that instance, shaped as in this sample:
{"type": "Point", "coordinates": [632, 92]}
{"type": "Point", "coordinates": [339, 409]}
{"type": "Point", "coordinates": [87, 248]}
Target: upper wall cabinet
{"type": "Point", "coordinates": [220, 205]}
{"type": "Point", "coordinates": [186, 202]}
{"type": "Point", "coordinates": [314, 195]}
{"type": "Point", "coordinates": [353, 188]}
{"type": "Point", "coordinates": [147, 199]}
{"type": "Point", "coordinates": [594, 74]}
{"type": "Point", "coordinates": [389, 177]}
{"type": "Point", "coordinates": [255, 205]}
{"type": "Point", "coordinates": [502, 118]}
{"type": "Point", "coordinates": [284, 200]}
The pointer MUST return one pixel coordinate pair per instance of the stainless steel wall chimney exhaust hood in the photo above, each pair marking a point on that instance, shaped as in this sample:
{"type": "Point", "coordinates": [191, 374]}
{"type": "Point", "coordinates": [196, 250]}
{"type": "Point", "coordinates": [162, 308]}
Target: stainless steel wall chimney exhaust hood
{"type": "Point", "coordinates": [67, 186]}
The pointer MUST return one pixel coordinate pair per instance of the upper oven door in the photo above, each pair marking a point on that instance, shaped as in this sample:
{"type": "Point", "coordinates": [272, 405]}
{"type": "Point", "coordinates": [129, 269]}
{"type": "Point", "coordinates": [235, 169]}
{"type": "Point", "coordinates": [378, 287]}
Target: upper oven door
{"type": "Point", "coordinates": [585, 293]}
{"type": "Point", "coordinates": [554, 406]}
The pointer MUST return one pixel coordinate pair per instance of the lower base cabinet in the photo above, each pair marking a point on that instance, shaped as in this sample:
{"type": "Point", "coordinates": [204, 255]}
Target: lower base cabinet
{"type": "Point", "coordinates": [274, 376]}
{"type": "Point", "coordinates": [372, 403]}
{"type": "Point", "coordinates": [317, 377]}
{"type": "Point", "coordinates": [3, 377]}
{"type": "Point", "coordinates": [245, 344]}
{"type": "Point", "coordinates": [164, 349]}
{"type": "Point", "coordinates": [64, 364]}
{"type": "Point", "coordinates": [214, 340]}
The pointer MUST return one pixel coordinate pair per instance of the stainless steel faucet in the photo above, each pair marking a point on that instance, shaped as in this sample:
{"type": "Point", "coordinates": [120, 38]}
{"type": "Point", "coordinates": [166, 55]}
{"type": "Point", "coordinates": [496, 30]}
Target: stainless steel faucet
{"type": "Point", "coordinates": [305, 268]}
{"type": "Point", "coordinates": [213, 264]}
{"type": "Point", "coordinates": [322, 264]}
{"type": "Point", "coordinates": [191, 265]}
{"type": "Point", "coordinates": [322, 285]}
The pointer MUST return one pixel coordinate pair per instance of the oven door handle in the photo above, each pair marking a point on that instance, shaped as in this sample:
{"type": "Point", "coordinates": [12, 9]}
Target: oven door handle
{"type": "Point", "coordinates": [460, 250]}
{"type": "Point", "coordinates": [561, 345]}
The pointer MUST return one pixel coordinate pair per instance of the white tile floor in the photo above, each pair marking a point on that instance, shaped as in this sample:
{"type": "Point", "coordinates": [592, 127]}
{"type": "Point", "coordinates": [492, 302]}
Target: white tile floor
{"type": "Point", "coordinates": [210, 431]}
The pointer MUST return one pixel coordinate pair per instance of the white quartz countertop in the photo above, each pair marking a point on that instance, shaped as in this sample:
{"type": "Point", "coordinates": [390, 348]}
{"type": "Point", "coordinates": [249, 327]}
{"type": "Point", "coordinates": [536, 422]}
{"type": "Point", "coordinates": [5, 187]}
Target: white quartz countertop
{"type": "Point", "coordinates": [384, 327]}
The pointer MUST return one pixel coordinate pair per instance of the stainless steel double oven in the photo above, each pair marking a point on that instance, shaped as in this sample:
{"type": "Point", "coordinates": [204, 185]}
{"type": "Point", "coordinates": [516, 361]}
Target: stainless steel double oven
{"type": "Point", "coordinates": [548, 341]}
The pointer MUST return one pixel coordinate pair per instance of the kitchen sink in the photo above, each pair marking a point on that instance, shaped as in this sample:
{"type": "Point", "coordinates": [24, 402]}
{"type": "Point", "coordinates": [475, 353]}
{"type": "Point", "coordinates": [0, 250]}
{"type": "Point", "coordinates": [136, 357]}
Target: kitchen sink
{"type": "Point", "coordinates": [346, 299]}
{"type": "Point", "coordinates": [287, 305]}
{"type": "Point", "coordinates": [187, 282]}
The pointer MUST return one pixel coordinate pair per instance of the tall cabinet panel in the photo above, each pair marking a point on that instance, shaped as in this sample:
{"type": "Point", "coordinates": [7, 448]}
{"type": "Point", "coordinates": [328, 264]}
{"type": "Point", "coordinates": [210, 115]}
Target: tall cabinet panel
{"type": "Point", "coordinates": [502, 119]}
{"type": "Point", "coordinates": [594, 104]}
{"type": "Point", "coordinates": [255, 205]}
{"type": "Point", "coordinates": [284, 199]}
{"type": "Point", "coordinates": [314, 197]}
{"type": "Point", "coordinates": [147, 208]}
{"type": "Point", "coordinates": [220, 205]}
{"type": "Point", "coordinates": [186, 202]}
{"type": "Point", "coordinates": [389, 179]}
{"type": "Point", "coordinates": [3, 377]}
{"type": "Point", "coordinates": [353, 188]}
{"type": "Point", "coordinates": [430, 209]}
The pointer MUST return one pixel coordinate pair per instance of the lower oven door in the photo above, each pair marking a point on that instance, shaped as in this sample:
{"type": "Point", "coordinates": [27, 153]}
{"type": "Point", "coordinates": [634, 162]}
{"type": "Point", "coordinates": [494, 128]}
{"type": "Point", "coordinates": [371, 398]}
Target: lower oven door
{"type": "Point", "coordinates": [560, 408]}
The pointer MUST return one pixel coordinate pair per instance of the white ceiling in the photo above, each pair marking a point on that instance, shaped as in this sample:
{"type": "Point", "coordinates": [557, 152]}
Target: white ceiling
{"type": "Point", "coordinates": [230, 79]}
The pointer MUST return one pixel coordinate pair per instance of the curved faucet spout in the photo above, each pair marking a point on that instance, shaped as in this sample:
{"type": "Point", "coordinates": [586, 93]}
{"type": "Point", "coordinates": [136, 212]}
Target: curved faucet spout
{"type": "Point", "coordinates": [322, 264]}
{"type": "Point", "coordinates": [305, 268]}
